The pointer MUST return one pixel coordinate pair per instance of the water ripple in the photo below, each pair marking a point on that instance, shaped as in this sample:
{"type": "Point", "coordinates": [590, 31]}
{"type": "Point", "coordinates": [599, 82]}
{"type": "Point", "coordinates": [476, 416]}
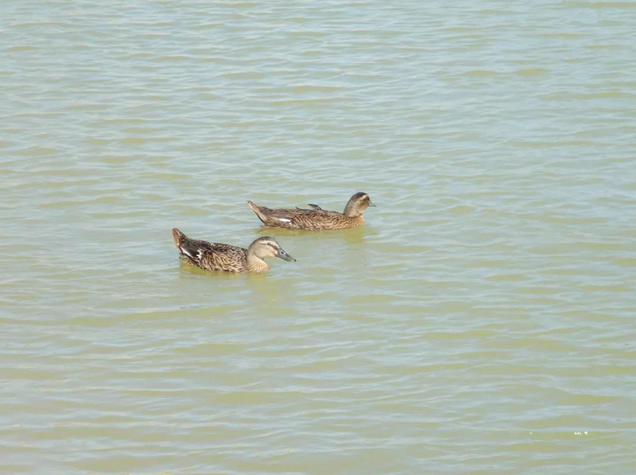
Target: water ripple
{"type": "Point", "coordinates": [480, 321]}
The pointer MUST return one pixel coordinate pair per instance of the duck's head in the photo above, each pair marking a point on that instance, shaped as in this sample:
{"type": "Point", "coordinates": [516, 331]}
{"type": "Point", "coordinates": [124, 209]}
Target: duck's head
{"type": "Point", "coordinates": [268, 247]}
{"type": "Point", "coordinates": [357, 204]}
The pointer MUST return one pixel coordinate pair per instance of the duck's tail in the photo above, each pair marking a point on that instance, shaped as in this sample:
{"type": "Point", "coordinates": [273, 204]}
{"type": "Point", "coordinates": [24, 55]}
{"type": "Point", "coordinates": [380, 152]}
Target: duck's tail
{"type": "Point", "coordinates": [178, 237]}
{"type": "Point", "coordinates": [184, 244]}
{"type": "Point", "coordinates": [260, 212]}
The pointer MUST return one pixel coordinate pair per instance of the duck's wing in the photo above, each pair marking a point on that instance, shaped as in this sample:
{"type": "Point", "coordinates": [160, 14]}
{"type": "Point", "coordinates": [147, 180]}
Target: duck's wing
{"type": "Point", "coordinates": [273, 217]}
{"type": "Point", "coordinates": [316, 207]}
{"type": "Point", "coordinates": [313, 219]}
{"type": "Point", "coordinates": [297, 218]}
{"type": "Point", "coordinates": [210, 255]}
{"type": "Point", "coordinates": [218, 256]}
{"type": "Point", "coordinates": [189, 248]}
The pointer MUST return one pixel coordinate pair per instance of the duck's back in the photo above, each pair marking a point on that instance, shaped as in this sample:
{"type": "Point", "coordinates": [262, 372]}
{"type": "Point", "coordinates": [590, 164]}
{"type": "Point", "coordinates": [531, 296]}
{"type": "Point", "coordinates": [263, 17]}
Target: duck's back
{"type": "Point", "coordinates": [308, 219]}
{"type": "Point", "coordinates": [316, 219]}
{"type": "Point", "coordinates": [218, 256]}
{"type": "Point", "coordinates": [211, 255]}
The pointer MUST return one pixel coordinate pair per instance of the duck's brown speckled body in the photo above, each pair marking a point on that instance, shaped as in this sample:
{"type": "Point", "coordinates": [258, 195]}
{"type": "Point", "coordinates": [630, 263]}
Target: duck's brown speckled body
{"type": "Point", "coordinates": [316, 218]}
{"type": "Point", "coordinates": [223, 257]}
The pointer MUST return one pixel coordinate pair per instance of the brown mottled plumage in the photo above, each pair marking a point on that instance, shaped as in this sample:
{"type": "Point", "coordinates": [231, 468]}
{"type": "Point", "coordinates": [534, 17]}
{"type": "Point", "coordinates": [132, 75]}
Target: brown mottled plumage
{"type": "Point", "coordinates": [316, 218]}
{"type": "Point", "coordinates": [223, 257]}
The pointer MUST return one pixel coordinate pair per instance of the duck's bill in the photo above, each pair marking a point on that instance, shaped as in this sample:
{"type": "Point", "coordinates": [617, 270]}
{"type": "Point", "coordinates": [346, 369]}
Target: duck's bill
{"type": "Point", "coordinates": [372, 204]}
{"type": "Point", "coordinates": [283, 255]}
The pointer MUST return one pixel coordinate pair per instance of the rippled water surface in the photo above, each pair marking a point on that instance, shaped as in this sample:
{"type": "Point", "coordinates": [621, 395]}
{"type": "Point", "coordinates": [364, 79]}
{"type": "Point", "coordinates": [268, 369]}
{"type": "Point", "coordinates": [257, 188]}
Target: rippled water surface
{"type": "Point", "coordinates": [481, 322]}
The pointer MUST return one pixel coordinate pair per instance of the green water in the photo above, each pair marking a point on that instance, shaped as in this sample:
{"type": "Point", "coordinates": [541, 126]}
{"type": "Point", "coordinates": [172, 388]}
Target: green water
{"type": "Point", "coordinates": [481, 322]}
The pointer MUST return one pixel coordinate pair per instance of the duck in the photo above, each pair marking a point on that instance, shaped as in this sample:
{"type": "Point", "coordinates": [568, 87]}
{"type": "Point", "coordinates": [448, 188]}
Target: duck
{"type": "Point", "coordinates": [316, 218]}
{"type": "Point", "coordinates": [214, 256]}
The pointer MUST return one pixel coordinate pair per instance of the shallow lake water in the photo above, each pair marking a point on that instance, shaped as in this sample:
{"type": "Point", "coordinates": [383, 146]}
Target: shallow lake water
{"type": "Point", "coordinates": [482, 321]}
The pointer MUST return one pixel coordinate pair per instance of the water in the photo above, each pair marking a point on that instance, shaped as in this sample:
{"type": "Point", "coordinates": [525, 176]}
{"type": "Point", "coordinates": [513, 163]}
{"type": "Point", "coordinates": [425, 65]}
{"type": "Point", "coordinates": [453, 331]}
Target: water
{"type": "Point", "coordinates": [482, 320]}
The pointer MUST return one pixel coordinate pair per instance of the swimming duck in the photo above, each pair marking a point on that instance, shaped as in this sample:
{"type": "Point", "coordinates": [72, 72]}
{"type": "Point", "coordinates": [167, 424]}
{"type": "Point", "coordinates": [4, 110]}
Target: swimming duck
{"type": "Point", "coordinates": [223, 257]}
{"type": "Point", "coordinates": [315, 218]}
